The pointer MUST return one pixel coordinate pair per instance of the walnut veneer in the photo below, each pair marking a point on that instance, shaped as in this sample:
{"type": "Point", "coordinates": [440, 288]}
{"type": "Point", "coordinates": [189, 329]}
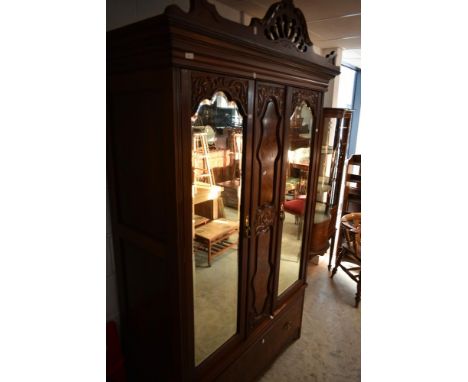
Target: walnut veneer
{"type": "Point", "coordinates": [159, 70]}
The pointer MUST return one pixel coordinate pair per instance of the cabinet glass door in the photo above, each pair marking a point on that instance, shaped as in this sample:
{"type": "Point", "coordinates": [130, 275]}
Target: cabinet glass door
{"type": "Point", "coordinates": [332, 156]}
{"type": "Point", "coordinates": [295, 194]}
{"type": "Point", "coordinates": [217, 163]}
{"type": "Point", "coordinates": [327, 171]}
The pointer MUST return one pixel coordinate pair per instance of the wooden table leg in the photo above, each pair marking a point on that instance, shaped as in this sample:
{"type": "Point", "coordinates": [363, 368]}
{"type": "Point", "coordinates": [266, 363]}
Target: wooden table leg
{"type": "Point", "coordinates": [209, 253]}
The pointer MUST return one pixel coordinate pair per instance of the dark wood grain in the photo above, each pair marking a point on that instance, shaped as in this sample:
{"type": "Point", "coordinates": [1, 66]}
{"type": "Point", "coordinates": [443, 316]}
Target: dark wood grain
{"type": "Point", "coordinates": [266, 169]}
{"type": "Point", "coordinates": [159, 69]}
{"type": "Point", "coordinates": [286, 25]}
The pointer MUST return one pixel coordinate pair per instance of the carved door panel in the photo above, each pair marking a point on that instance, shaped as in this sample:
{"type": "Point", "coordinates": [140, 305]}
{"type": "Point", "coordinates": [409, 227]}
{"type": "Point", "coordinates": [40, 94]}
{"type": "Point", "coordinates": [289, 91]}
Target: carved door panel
{"type": "Point", "coordinates": [267, 149]}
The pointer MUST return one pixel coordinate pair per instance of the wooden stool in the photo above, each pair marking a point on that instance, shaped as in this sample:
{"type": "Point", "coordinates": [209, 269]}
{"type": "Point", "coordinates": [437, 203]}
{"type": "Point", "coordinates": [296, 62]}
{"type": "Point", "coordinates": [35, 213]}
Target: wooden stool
{"type": "Point", "coordinates": [199, 220]}
{"type": "Point", "coordinates": [212, 237]}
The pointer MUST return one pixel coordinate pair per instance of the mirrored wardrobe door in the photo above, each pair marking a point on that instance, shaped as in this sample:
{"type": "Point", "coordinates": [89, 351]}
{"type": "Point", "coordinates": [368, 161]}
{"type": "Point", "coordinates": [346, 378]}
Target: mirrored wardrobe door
{"type": "Point", "coordinates": [217, 168]}
{"type": "Point", "coordinates": [295, 182]}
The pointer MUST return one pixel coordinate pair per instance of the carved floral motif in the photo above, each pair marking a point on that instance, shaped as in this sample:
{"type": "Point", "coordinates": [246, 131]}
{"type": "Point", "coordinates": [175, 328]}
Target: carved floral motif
{"type": "Point", "coordinates": [205, 85]}
{"type": "Point", "coordinates": [309, 96]}
{"type": "Point", "coordinates": [265, 92]}
{"type": "Point", "coordinates": [265, 217]}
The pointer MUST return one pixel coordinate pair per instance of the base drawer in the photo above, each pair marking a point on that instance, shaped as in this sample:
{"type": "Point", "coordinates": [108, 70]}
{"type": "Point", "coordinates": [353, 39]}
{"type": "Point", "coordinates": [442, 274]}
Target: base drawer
{"type": "Point", "coordinates": [284, 330]}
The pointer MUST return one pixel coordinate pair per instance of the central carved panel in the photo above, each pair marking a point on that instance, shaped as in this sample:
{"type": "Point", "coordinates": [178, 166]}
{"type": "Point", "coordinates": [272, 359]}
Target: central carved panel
{"type": "Point", "coordinates": [268, 149]}
{"type": "Point", "coordinates": [268, 152]}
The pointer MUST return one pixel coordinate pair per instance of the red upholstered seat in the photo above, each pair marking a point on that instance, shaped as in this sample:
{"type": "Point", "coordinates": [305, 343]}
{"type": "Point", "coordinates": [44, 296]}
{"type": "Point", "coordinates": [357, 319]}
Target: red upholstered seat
{"type": "Point", "coordinates": [295, 206]}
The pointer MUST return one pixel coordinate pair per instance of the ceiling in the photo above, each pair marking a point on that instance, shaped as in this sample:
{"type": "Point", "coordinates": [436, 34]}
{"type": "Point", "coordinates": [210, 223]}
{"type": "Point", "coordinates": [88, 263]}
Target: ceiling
{"type": "Point", "coordinates": [331, 23]}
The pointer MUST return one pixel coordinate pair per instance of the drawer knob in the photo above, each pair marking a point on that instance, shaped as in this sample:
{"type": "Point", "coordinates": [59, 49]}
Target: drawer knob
{"type": "Point", "coordinates": [287, 326]}
{"type": "Point", "coordinates": [271, 317]}
{"type": "Point", "coordinates": [263, 341]}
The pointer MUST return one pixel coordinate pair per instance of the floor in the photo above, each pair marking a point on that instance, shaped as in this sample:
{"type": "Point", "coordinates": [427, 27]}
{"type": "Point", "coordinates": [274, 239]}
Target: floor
{"type": "Point", "coordinates": [329, 349]}
{"type": "Point", "coordinates": [215, 295]}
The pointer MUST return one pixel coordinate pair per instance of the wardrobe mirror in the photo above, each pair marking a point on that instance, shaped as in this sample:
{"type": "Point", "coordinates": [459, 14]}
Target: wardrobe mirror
{"type": "Point", "coordinates": [327, 170]}
{"type": "Point", "coordinates": [293, 205]}
{"type": "Point", "coordinates": [216, 196]}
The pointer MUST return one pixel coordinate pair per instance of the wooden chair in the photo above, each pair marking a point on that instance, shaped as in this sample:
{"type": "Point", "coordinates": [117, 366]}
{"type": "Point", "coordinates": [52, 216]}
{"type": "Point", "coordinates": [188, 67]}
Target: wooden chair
{"type": "Point", "coordinates": [296, 207]}
{"type": "Point", "coordinates": [351, 198]}
{"type": "Point", "coordinates": [352, 191]}
{"type": "Point", "coordinates": [350, 250]}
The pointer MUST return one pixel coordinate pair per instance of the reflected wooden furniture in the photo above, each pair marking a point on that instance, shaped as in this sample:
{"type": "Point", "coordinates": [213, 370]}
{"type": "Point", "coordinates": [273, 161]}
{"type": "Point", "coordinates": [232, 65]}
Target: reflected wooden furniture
{"type": "Point", "coordinates": [219, 159]}
{"type": "Point", "coordinates": [299, 140]}
{"type": "Point", "coordinates": [207, 202]}
{"type": "Point", "coordinates": [213, 237]}
{"type": "Point", "coordinates": [199, 220]}
{"type": "Point", "coordinates": [230, 193]}
{"type": "Point", "coordinates": [348, 257]}
{"type": "Point", "coordinates": [301, 170]}
{"type": "Point", "coordinates": [351, 196]}
{"type": "Point", "coordinates": [159, 71]}
{"type": "Point", "coordinates": [235, 144]}
{"type": "Point", "coordinates": [334, 143]}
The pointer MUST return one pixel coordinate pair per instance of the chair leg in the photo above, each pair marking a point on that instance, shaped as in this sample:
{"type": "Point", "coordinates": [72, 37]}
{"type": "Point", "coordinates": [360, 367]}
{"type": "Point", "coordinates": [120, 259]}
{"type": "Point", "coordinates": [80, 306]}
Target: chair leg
{"type": "Point", "coordinates": [332, 247]}
{"type": "Point", "coordinates": [339, 255]}
{"type": "Point", "coordinates": [358, 292]}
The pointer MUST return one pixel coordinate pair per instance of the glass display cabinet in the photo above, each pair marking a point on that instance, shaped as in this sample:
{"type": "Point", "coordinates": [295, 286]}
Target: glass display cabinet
{"type": "Point", "coordinates": [334, 142]}
{"type": "Point", "coordinates": [212, 167]}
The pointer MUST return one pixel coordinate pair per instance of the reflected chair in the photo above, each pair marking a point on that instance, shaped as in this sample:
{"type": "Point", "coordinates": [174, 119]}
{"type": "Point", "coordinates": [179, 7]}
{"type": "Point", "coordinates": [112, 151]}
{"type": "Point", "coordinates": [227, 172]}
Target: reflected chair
{"type": "Point", "coordinates": [349, 254]}
{"type": "Point", "coordinates": [351, 196]}
{"type": "Point", "coordinates": [296, 207]}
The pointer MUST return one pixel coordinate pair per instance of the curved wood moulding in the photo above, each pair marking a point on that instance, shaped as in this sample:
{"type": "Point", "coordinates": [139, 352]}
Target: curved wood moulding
{"type": "Point", "coordinates": [282, 30]}
{"type": "Point", "coordinates": [269, 148]}
{"type": "Point", "coordinates": [204, 85]}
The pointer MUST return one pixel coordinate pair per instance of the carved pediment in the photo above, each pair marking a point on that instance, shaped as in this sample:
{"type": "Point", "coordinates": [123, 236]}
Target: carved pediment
{"type": "Point", "coordinates": [283, 31]}
{"type": "Point", "coordinates": [286, 24]}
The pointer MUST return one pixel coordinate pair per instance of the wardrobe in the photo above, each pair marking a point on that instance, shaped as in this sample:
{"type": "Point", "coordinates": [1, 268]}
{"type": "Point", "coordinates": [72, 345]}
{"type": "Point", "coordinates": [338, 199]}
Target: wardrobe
{"type": "Point", "coordinates": [213, 128]}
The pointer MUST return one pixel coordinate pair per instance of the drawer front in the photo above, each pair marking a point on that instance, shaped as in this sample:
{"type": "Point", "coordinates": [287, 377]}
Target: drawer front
{"type": "Point", "coordinates": [284, 330]}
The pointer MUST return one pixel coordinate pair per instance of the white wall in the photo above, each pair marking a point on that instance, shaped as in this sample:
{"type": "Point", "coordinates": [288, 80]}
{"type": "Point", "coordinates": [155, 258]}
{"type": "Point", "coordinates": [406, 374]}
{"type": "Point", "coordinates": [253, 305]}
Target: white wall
{"type": "Point", "coordinates": [331, 96]}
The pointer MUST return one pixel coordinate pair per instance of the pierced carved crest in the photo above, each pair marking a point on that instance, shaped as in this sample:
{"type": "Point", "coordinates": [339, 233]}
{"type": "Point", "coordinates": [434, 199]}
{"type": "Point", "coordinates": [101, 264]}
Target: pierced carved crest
{"type": "Point", "coordinates": [286, 24]}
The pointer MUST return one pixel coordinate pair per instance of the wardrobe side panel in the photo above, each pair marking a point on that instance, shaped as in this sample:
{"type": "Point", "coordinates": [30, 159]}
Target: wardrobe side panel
{"type": "Point", "coordinates": [141, 164]}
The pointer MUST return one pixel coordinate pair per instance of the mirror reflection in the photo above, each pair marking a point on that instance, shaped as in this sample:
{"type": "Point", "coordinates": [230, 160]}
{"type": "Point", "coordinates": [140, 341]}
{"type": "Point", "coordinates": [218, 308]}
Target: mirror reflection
{"type": "Point", "coordinates": [216, 187]}
{"type": "Point", "coordinates": [327, 172]}
{"type": "Point", "coordinates": [293, 206]}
